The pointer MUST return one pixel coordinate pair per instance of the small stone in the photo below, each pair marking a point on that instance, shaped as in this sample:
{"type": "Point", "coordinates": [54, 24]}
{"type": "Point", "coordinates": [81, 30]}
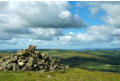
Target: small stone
{"type": "Point", "coordinates": [49, 76]}
{"type": "Point", "coordinates": [43, 54]}
{"type": "Point", "coordinates": [21, 63]}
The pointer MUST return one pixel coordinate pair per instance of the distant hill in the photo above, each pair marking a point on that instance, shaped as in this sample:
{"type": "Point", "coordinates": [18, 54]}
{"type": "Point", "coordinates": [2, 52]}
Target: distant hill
{"type": "Point", "coordinates": [8, 50]}
{"type": "Point", "coordinates": [14, 50]}
{"type": "Point", "coordinates": [96, 49]}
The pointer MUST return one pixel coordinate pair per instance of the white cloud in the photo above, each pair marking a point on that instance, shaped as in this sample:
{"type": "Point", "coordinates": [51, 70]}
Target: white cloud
{"type": "Point", "coordinates": [41, 19]}
{"type": "Point", "coordinates": [104, 34]}
{"type": "Point", "coordinates": [111, 11]}
{"type": "Point", "coordinates": [94, 10]}
{"type": "Point", "coordinates": [45, 34]}
{"type": "Point", "coordinates": [39, 14]}
{"type": "Point", "coordinates": [43, 23]}
{"type": "Point", "coordinates": [94, 34]}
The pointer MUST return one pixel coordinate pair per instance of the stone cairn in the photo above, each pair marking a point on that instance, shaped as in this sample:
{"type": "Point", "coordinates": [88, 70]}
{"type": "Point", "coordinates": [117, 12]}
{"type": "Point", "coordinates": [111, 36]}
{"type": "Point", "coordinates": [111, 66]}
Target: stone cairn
{"type": "Point", "coordinates": [30, 59]}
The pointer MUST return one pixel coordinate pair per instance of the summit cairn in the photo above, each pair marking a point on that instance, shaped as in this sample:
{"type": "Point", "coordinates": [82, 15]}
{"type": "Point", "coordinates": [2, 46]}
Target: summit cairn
{"type": "Point", "coordinates": [30, 59]}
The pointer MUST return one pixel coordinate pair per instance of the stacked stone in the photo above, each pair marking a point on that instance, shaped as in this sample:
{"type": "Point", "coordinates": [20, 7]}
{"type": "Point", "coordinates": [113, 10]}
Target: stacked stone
{"type": "Point", "coordinates": [30, 59]}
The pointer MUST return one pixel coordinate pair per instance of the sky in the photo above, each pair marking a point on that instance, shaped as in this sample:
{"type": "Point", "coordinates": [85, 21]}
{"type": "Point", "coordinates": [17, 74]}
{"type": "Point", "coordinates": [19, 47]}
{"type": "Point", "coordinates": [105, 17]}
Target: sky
{"type": "Point", "coordinates": [59, 24]}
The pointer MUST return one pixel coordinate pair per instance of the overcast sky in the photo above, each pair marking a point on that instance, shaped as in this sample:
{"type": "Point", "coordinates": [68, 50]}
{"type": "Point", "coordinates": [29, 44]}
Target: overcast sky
{"type": "Point", "coordinates": [61, 25]}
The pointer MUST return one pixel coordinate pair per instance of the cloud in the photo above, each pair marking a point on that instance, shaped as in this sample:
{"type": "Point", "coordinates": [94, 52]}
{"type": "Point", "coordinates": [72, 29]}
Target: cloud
{"type": "Point", "coordinates": [43, 23]}
{"type": "Point", "coordinates": [94, 35]}
{"type": "Point", "coordinates": [106, 33]}
{"type": "Point", "coordinates": [40, 14]}
{"type": "Point", "coordinates": [110, 9]}
{"type": "Point", "coordinates": [45, 34]}
{"type": "Point", "coordinates": [94, 10]}
{"type": "Point", "coordinates": [112, 13]}
{"type": "Point", "coordinates": [37, 20]}
{"type": "Point", "coordinates": [4, 36]}
{"type": "Point", "coordinates": [33, 33]}
{"type": "Point", "coordinates": [9, 42]}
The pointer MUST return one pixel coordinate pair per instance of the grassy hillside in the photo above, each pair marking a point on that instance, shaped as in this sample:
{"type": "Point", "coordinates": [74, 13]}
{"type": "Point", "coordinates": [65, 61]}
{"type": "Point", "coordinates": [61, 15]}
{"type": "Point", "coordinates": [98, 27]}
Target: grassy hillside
{"type": "Point", "coordinates": [74, 74]}
{"type": "Point", "coordinates": [86, 66]}
{"type": "Point", "coordinates": [100, 60]}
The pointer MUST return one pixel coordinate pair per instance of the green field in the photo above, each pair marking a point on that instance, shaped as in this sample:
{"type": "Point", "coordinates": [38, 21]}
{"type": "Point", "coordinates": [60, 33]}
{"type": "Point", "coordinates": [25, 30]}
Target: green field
{"type": "Point", "coordinates": [97, 65]}
{"type": "Point", "coordinates": [100, 60]}
{"type": "Point", "coordinates": [74, 74]}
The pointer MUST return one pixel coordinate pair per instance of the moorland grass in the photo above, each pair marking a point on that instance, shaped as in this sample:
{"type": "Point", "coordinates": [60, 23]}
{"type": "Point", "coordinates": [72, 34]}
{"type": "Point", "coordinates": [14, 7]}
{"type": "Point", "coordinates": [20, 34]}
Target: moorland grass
{"type": "Point", "coordinates": [89, 60]}
{"type": "Point", "coordinates": [72, 74]}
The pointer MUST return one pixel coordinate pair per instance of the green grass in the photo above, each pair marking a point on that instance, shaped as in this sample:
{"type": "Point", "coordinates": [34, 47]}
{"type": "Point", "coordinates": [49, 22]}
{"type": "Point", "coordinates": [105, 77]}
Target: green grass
{"type": "Point", "coordinates": [86, 66]}
{"type": "Point", "coordinates": [100, 60]}
{"type": "Point", "coordinates": [74, 74]}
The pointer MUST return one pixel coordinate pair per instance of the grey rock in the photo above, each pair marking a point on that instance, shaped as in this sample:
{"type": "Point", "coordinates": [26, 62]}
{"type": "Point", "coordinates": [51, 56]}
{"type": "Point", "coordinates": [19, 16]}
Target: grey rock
{"type": "Point", "coordinates": [30, 59]}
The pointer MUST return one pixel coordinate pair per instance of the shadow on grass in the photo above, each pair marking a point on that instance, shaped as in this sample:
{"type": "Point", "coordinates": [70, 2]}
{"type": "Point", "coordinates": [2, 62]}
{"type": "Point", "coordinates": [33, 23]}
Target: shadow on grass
{"type": "Point", "coordinates": [77, 61]}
